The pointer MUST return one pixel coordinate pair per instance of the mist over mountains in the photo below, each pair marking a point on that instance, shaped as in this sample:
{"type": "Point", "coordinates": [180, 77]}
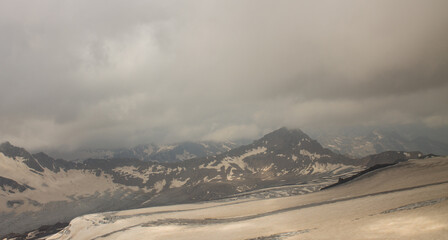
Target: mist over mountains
{"type": "Point", "coordinates": [353, 142]}
{"type": "Point", "coordinates": [134, 111]}
{"type": "Point", "coordinates": [363, 143]}
{"type": "Point", "coordinates": [151, 152]}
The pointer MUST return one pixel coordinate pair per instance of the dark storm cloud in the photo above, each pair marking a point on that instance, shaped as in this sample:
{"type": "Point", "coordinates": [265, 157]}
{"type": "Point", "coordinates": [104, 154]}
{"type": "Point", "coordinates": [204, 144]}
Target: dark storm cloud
{"type": "Point", "coordinates": [116, 73]}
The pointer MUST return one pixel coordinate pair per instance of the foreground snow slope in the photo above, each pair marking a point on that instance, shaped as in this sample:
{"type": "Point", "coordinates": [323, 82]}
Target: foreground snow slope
{"type": "Point", "coordinates": [405, 201]}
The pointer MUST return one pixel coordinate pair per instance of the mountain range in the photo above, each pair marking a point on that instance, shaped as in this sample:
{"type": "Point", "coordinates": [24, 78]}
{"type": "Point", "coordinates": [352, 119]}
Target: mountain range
{"type": "Point", "coordinates": [407, 200]}
{"type": "Point", "coordinates": [377, 141]}
{"type": "Point", "coordinates": [151, 152]}
{"type": "Point", "coordinates": [355, 144]}
{"type": "Point", "coordinates": [36, 189]}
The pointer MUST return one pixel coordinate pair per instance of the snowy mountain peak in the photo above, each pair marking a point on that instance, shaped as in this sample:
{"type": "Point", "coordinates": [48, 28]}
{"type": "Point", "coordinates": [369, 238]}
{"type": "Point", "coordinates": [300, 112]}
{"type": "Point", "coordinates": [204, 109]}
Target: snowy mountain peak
{"type": "Point", "coordinates": [296, 146]}
{"type": "Point", "coordinates": [14, 152]}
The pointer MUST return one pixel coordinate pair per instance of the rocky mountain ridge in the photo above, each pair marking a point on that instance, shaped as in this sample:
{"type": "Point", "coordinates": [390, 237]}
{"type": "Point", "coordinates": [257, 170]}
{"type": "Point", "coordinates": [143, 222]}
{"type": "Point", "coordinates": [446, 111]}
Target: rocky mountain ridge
{"type": "Point", "coordinates": [151, 152]}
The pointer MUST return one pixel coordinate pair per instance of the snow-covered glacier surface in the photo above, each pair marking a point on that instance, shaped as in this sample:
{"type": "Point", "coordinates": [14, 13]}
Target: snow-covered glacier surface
{"type": "Point", "coordinates": [405, 201]}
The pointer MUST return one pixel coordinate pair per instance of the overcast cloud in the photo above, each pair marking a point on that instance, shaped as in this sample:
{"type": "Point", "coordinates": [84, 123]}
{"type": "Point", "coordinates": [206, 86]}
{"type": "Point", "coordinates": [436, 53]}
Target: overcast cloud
{"type": "Point", "coordinates": [109, 73]}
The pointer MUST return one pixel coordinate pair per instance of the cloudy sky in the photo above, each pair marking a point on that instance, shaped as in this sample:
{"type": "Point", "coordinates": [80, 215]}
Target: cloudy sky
{"type": "Point", "coordinates": [109, 73]}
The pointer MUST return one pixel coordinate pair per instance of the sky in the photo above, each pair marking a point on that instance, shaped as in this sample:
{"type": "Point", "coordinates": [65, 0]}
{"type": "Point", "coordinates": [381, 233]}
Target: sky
{"type": "Point", "coordinates": [113, 73]}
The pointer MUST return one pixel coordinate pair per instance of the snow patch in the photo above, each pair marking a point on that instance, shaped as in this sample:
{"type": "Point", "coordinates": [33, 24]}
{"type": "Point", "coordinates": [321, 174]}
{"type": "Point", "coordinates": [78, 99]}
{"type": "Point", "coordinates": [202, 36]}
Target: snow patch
{"type": "Point", "coordinates": [336, 169]}
{"type": "Point", "coordinates": [175, 183]}
{"type": "Point", "coordinates": [294, 157]}
{"type": "Point", "coordinates": [205, 145]}
{"type": "Point", "coordinates": [239, 160]}
{"type": "Point", "coordinates": [312, 156]}
{"type": "Point", "coordinates": [51, 186]}
{"type": "Point", "coordinates": [132, 171]}
{"type": "Point", "coordinates": [158, 186]}
{"type": "Point", "coordinates": [379, 136]}
{"type": "Point", "coordinates": [185, 155]}
{"type": "Point", "coordinates": [149, 150]}
{"type": "Point", "coordinates": [164, 148]}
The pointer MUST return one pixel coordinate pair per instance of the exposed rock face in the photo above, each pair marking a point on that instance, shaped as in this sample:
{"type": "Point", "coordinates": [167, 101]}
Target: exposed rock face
{"type": "Point", "coordinates": [11, 186]}
{"type": "Point", "coordinates": [11, 151]}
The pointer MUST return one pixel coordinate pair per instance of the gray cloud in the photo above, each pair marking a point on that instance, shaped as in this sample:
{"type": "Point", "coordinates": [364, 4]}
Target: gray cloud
{"type": "Point", "coordinates": [115, 73]}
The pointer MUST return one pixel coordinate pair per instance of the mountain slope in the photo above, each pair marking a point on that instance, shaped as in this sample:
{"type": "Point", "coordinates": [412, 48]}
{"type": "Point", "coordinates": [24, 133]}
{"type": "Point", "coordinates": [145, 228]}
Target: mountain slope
{"type": "Point", "coordinates": [152, 152]}
{"type": "Point", "coordinates": [406, 201]}
{"type": "Point", "coordinates": [31, 198]}
{"type": "Point", "coordinates": [37, 189]}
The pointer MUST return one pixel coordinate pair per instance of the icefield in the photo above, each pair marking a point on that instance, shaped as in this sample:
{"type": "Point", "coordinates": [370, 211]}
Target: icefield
{"type": "Point", "coordinates": [405, 201]}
